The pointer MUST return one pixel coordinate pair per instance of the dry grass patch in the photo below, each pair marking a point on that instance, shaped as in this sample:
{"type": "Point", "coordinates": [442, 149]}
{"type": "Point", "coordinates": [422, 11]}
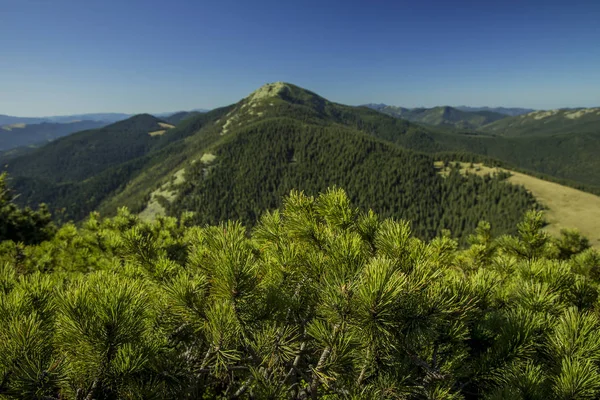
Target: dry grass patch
{"type": "Point", "coordinates": [179, 177]}
{"type": "Point", "coordinates": [566, 207]}
{"type": "Point", "coordinates": [581, 113]}
{"type": "Point", "coordinates": [13, 126]}
{"type": "Point", "coordinates": [543, 114]}
{"type": "Point", "coordinates": [160, 132]}
{"type": "Point", "coordinates": [207, 158]}
{"type": "Point", "coordinates": [154, 208]}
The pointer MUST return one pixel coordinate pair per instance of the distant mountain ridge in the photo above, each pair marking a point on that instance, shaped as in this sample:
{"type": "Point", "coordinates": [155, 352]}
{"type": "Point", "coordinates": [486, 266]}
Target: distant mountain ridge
{"type": "Point", "coordinates": [441, 116]}
{"type": "Point", "coordinates": [104, 117]}
{"type": "Point", "coordinates": [26, 134]}
{"type": "Point", "coordinates": [511, 111]}
{"type": "Point", "coordinates": [23, 132]}
{"type": "Point", "coordinates": [109, 118]}
{"type": "Point", "coordinates": [548, 122]}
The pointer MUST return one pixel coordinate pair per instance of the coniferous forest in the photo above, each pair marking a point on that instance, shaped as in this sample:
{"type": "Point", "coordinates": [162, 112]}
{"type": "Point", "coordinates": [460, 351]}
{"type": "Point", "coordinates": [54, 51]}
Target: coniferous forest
{"type": "Point", "coordinates": [319, 299]}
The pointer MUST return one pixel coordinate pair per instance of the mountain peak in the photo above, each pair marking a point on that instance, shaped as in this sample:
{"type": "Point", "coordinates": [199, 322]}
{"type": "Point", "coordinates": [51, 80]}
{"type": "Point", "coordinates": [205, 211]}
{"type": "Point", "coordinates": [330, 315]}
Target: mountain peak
{"type": "Point", "coordinates": [268, 90]}
{"type": "Point", "coordinates": [285, 91]}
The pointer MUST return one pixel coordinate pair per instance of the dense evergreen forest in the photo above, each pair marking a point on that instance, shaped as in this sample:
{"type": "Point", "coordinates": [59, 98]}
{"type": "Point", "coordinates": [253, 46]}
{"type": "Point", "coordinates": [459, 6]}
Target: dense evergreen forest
{"type": "Point", "coordinates": [262, 163]}
{"type": "Point", "coordinates": [318, 300]}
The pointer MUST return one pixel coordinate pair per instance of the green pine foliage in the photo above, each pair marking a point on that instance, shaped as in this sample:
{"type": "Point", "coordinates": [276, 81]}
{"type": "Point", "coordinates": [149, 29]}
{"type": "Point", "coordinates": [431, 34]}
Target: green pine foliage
{"type": "Point", "coordinates": [22, 224]}
{"type": "Point", "coordinates": [319, 299]}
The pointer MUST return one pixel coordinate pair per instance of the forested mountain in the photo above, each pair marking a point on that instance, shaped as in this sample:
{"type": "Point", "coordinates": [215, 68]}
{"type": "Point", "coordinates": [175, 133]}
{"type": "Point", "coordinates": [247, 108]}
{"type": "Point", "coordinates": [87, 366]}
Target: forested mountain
{"type": "Point", "coordinates": [180, 116]}
{"type": "Point", "coordinates": [441, 116]}
{"type": "Point", "coordinates": [564, 146]}
{"type": "Point", "coordinates": [9, 120]}
{"type": "Point", "coordinates": [237, 162]}
{"type": "Point", "coordinates": [21, 134]}
{"type": "Point", "coordinates": [551, 122]}
{"type": "Point", "coordinates": [571, 156]}
{"type": "Point", "coordinates": [85, 154]}
{"type": "Point", "coordinates": [510, 111]}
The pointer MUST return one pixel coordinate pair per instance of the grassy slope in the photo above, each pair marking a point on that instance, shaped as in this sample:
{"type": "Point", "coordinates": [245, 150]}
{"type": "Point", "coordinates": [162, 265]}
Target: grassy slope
{"type": "Point", "coordinates": [566, 148]}
{"type": "Point", "coordinates": [565, 207]}
{"type": "Point", "coordinates": [569, 156]}
{"type": "Point", "coordinates": [550, 122]}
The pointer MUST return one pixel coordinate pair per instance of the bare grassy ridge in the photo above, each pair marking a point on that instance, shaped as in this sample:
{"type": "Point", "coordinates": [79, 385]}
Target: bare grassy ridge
{"type": "Point", "coordinates": [161, 131]}
{"type": "Point", "coordinates": [566, 207]}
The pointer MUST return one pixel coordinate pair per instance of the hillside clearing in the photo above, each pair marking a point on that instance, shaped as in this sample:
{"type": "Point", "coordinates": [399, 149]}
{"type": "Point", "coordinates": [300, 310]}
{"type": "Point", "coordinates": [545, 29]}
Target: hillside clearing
{"type": "Point", "coordinates": [13, 126]}
{"type": "Point", "coordinates": [542, 114]}
{"type": "Point", "coordinates": [207, 158]}
{"type": "Point", "coordinates": [580, 113]}
{"type": "Point", "coordinates": [566, 207]}
{"type": "Point", "coordinates": [154, 207]}
{"type": "Point", "coordinates": [161, 132]}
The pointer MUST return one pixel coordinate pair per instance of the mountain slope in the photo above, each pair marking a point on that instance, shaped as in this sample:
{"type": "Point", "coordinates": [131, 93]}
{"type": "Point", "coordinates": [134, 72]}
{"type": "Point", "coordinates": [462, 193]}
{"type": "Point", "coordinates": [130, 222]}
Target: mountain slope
{"type": "Point", "coordinates": [440, 116]}
{"type": "Point", "coordinates": [81, 155]}
{"type": "Point", "coordinates": [236, 163]}
{"type": "Point", "coordinates": [568, 154]}
{"type": "Point", "coordinates": [9, 120]}
{"type": "Point", "coordinates": [564, 207]}
{"type": "Point", "coordinates": [180, 116]}
{"type": "Point", "coordinates": [582, 120]}
{"type": "Point", "coordinates": [572, 156]}
{"type": "Point", "coordinates": [17, 135]}
{"type": "Point", "coordinates": [247, 174]}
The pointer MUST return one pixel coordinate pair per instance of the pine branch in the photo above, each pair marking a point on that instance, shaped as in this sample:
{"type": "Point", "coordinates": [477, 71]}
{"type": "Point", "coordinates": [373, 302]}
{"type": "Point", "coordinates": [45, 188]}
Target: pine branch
{"type": "Point", "coordinates": [243, 388]}
{"type": "Point", "coordinates": [92, 390]}
{"type": "Point", "coordinates": [363, 371]}
{"type": "Point", "coordinates": [206, 357]}
{"type": "Point", "coordinates": [296, 362]}
{"type": "Point", "coordinates": [432, 373]}
{"type": "Point", "coordinates": [315, 379]}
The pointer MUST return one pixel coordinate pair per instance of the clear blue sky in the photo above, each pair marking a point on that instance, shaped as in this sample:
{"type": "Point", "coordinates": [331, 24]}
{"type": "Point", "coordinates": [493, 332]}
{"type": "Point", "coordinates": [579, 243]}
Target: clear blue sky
{"type": "Point", "coordinates": [75, 56]}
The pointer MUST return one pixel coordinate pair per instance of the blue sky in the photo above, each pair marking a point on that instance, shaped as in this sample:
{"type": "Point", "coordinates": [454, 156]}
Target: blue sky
{"type": "Point", "coordinates": [76, 56]}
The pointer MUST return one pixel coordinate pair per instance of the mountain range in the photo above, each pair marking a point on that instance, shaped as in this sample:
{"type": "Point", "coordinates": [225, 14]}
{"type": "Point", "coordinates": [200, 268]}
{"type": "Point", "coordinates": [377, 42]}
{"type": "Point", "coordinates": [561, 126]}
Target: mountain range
{"type": "Point", "coordinates": [441, 116]}
{"type": "Point", "coordinates": [237, 162]}
{"type": "Point", "coordinates": [549, 122]}
{"type": "Point", "coordinates": [104, 117]}
{"type": "Point", "coordinates": [34, 132]}
{"type": "Point", "coordinates": [510, 111]}
{"type": "Point", "coordinates": [21, 134]}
